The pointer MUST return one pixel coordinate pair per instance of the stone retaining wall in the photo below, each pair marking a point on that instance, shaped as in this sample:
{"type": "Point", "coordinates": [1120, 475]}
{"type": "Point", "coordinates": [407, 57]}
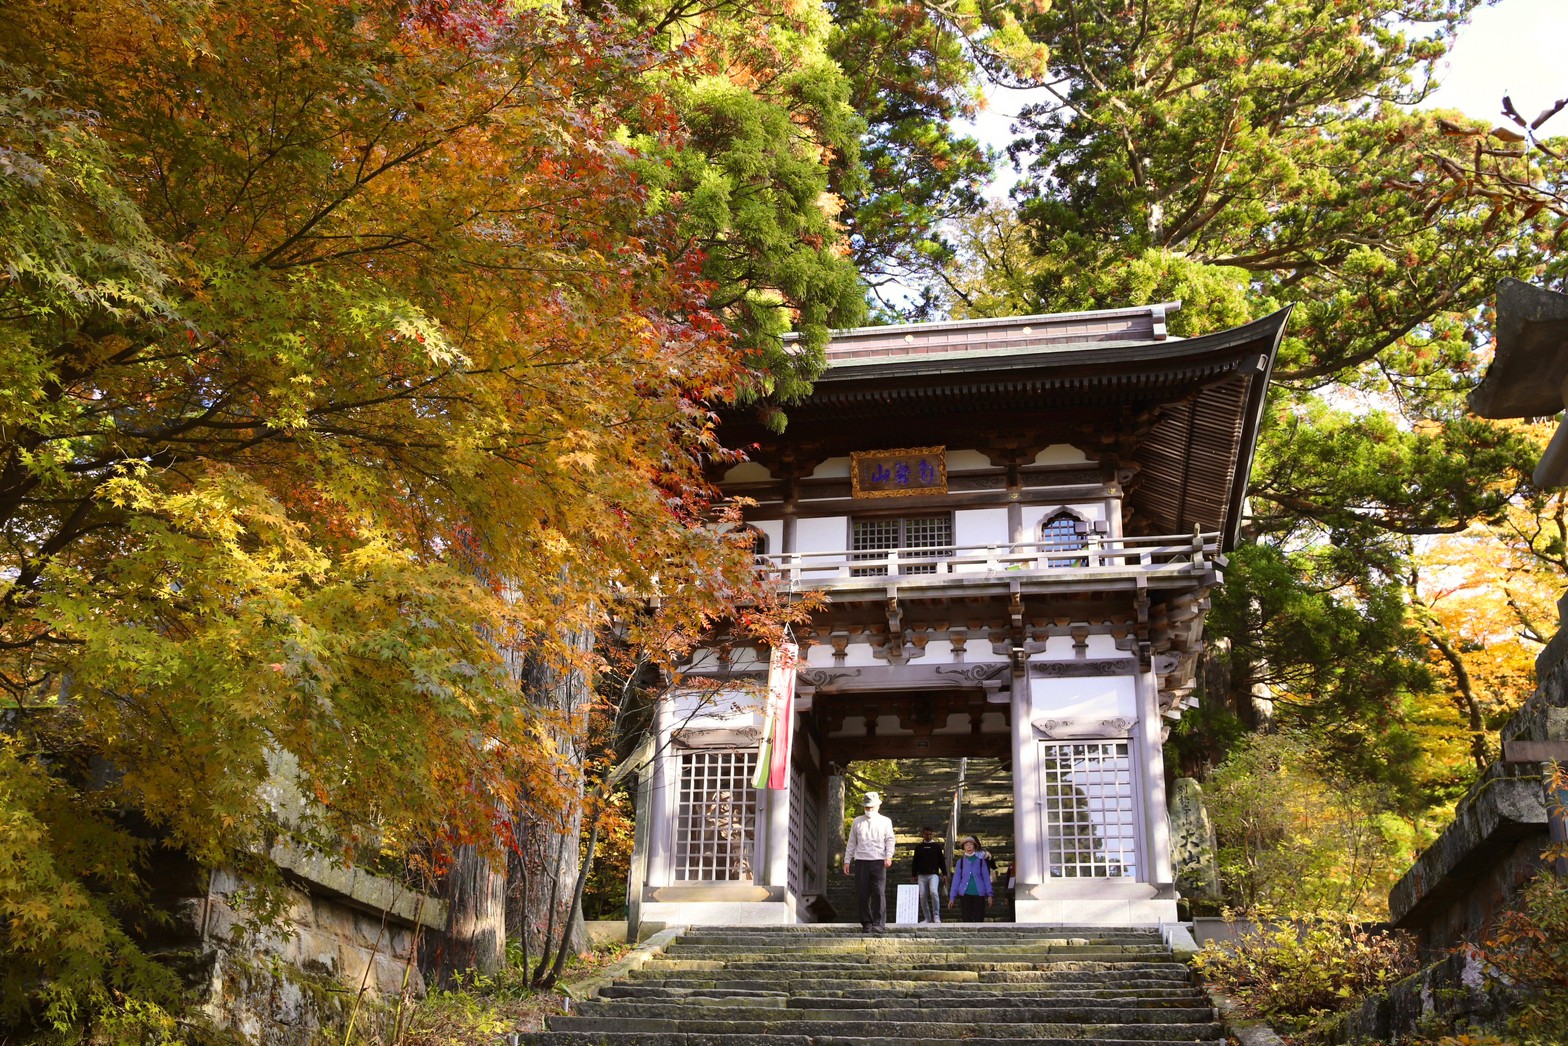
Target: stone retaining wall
{"type": "Point", "coordinates": [346, 945]}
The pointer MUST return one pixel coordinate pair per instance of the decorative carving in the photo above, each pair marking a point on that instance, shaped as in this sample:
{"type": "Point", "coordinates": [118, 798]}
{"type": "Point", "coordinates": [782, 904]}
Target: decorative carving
{"type": "Point", "coordinates": [975, 674]}
{"type": "Point", "coordinates": [1067, 729]}
{"type": "Point", "coordinates": [1112, 666]}
{"type": "Point", "coordinates": [825, 680]}
{"type": "Point", "coordinates": [717, 737]}
{"type": "Point", "coordinates": [991, 482]}
{"type": "Point", "coordinates": [1059, 477]}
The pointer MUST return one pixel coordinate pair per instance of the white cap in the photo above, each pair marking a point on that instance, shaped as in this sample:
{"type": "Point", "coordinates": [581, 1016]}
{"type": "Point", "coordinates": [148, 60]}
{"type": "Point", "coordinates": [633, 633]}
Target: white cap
{"type": "Point", "coordinates": [872, 799]}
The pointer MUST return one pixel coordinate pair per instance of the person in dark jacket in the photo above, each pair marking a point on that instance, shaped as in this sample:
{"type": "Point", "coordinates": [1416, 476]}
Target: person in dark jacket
{"type": "Point", "coordinates": [928, 867]}
{"type": "Point", "coordinates": [971, 885]}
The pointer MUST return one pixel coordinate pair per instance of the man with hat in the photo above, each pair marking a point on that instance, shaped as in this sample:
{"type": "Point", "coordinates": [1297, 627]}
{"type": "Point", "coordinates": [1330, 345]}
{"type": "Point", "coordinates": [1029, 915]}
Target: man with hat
{"type": "Point", "coordinates": [868, 856]}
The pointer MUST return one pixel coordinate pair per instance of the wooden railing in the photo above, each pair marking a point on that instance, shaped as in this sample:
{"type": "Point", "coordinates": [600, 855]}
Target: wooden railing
{"type": "Point", "coordinates": [1098, 556]}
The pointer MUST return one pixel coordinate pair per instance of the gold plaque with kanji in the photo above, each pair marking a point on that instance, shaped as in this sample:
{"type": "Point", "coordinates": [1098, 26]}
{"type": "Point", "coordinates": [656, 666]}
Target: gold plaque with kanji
{"type": "Point", "coordinates": [898, 473]}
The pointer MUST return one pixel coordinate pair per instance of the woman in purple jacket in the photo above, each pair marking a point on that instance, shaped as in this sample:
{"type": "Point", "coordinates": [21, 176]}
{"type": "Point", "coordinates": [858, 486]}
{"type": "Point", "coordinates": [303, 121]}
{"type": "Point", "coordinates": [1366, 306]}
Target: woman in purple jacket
{"type": "Point", "coordinates": [971, 883]}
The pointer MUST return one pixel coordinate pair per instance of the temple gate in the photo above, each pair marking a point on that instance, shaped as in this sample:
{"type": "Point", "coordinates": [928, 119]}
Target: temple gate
{"type": "Point", "coordinates": [1017, 524]}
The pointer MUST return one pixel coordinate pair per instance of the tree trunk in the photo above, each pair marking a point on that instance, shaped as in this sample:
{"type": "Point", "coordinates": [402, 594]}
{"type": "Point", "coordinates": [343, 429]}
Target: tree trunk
{"type": "Point", "coordinates": [544, 870]}
{"type": "Point", "coordinates": [475, 937]}
{"type": "Point", "coordinates": [1465, 698]}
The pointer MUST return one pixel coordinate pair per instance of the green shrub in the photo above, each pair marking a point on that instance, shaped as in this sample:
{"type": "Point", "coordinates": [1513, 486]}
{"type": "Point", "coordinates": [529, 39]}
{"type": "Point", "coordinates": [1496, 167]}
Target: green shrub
{"type": "Point", "coordinates": [1302, 968]}
{"type": "Point", "coordinates": [1291, 835]}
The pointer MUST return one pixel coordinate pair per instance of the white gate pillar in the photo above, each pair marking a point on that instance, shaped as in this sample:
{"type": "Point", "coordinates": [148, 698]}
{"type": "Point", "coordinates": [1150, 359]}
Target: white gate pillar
{"type": "Point", "coordinates": [1028, 845]}
{"type": "Point", "coordinates": [1156, 818]}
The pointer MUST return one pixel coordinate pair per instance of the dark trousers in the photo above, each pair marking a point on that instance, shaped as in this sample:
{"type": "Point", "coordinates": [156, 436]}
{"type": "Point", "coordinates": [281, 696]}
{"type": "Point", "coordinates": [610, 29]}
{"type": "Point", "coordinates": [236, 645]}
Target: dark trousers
{"type": "Point", "coordinates": [971, 908]}
{"type": "Point", "coordinates": [871, 894]}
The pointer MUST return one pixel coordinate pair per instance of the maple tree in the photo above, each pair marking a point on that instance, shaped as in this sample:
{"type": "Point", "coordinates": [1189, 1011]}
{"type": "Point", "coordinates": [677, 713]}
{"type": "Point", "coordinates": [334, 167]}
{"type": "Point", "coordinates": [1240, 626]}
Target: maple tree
{"type": "Point", "coordinates": [349, 354]}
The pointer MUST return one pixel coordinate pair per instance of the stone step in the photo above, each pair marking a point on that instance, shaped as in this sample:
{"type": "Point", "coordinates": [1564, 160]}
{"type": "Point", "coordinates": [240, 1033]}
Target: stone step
{"type": "Point", "coordinates": [948, 981]}
{"type": "Point", "coordinates": [879, 947]}
{"type": "Point", "coordinates": [806, 929]}
{"type": "Point", "coordinates": [791, 972]}
{"type": "Point", "coordinates": [1108, 974]}
{"type": "Point", "coordinates": [924, 935]}
{"type": "Point", "coordinates": [825, 986]}
{"type": "Point", "coordinates": [892, 963]}
{"type": "Point", "coordinates": [859, 1009]}
{"type": "Point", "coordinates": [987, 933]}
{"type": "Point", "coordinates": [904, 1030]}
{"type": "Point", "coordinates": [650, 1038]}
{"type": "Point", "coordinates": [923, 995]}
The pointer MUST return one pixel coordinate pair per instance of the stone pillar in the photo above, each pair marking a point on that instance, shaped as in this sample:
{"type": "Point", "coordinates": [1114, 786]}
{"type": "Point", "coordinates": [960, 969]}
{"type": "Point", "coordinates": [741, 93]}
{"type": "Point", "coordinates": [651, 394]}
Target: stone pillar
{"type": "Point", "coordinates": [1193, 844]}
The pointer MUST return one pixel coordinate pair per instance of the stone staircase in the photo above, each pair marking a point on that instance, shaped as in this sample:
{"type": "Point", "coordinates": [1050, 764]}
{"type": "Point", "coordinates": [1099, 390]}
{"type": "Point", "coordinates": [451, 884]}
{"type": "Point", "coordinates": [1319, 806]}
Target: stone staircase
{"type": "Point", "coordinates": [834, 986]}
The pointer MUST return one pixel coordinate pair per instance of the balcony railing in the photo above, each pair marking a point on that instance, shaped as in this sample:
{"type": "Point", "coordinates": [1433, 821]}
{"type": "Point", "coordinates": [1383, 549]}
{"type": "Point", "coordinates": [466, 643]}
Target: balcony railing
{"type": "Point", "coordinates": [1099, 557]}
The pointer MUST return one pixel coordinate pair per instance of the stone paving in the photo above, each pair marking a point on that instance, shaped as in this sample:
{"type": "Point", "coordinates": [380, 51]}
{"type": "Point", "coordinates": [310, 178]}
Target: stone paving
{"type": "Point", "coordinates": [831, 985]}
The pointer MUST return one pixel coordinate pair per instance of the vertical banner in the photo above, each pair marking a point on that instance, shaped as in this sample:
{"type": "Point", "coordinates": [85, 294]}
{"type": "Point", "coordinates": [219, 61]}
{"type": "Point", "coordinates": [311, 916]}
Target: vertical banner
{"type": "Point", "coordinates": [778, 719]}
{"type": "Point", "coordinates": [782, 667]}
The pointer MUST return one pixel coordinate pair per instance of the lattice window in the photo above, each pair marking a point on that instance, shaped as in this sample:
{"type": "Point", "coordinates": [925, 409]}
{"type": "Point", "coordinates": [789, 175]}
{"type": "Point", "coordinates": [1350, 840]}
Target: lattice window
{"type": "Point", "coordinates": [926, 536]}
{"type": "Point", "coordinates": [715, 821]}
{"type": "Point", "coordinates": [1063, 532]}
{"type": "Point", "coordinates": [811, 836]}
{"type": "Point", "coordinates": [1091, 824]}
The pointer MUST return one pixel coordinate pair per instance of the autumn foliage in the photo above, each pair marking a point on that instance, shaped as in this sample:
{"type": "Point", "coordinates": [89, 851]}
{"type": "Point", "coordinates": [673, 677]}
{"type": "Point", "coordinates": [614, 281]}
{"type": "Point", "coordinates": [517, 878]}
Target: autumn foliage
{"type": "Point", "coordinates": [344, 356]}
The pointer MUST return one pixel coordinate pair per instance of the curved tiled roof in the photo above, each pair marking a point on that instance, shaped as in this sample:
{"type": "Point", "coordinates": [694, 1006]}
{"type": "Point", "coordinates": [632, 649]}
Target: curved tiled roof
{"type": "Point", "coordinates": [1197, 402]}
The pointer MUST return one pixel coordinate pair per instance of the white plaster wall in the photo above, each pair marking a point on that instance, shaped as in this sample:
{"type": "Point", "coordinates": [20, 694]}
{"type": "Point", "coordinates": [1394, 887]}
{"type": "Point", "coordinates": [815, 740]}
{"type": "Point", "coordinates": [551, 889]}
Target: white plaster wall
{"type": "Point", "coordinates": [1095, 911]}
{"type": "Point", "coordinates": [939, 652]}
{"type": "Point", "coordinates": [1098, 645]}
{"type": "Point", "coordinates": [957, 723]}
{"type": "Point", "coordinates": [706, 710]}
{"type": "Point", "coordinates": [858, 655]}
{"type": "Point", "coordinates": [888, 726]}
{"type": "Point", "coordinates": [774, 529]}
{"type": "Point", "coordinates": [720, 913]}
{"type": "Point", "coordinates": [748, 659]}
{"type": "Point", "coordinates": [1061, 454]}
{"type": "Point", "coordinates": [1084, 697]}
{"type": "Point", "coordinates": [967, 461]}
{"type": "Point", "coordinates": [1034, 515]}
{"type": "Point", "coordinates": [819, 655]}
{"type": "Point", "coordinates": [747, 472]}
{"type": "Point", "coordinates": [853, 726]}
{"type": "Point", "coordinates": [982, 527]}
{"type": "Point", "coordinates": [821, 534]}
{"type": "Point", "coordinates": [832, 468]}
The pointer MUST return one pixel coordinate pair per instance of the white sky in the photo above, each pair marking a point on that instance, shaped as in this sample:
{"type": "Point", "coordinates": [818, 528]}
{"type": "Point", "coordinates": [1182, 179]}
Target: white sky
{"type": "Point", "coordinates": [1518, 47]}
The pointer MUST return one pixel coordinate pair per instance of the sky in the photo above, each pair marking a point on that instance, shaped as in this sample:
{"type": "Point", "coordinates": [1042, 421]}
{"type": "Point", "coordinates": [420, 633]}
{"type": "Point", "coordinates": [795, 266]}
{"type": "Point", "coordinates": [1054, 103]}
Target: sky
{"type": "Point", "coordinates": [1516, 47]}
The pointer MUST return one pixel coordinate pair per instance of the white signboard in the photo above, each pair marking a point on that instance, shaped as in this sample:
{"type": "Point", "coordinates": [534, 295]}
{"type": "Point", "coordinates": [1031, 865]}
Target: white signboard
{"type": "Point", "coordinates": [908, 907]}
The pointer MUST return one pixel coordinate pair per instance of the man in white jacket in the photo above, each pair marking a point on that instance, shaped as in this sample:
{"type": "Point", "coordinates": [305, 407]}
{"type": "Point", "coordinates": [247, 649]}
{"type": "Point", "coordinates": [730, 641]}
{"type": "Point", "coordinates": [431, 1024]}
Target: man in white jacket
{"type": "Point", "coordinates": [868, 856]}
